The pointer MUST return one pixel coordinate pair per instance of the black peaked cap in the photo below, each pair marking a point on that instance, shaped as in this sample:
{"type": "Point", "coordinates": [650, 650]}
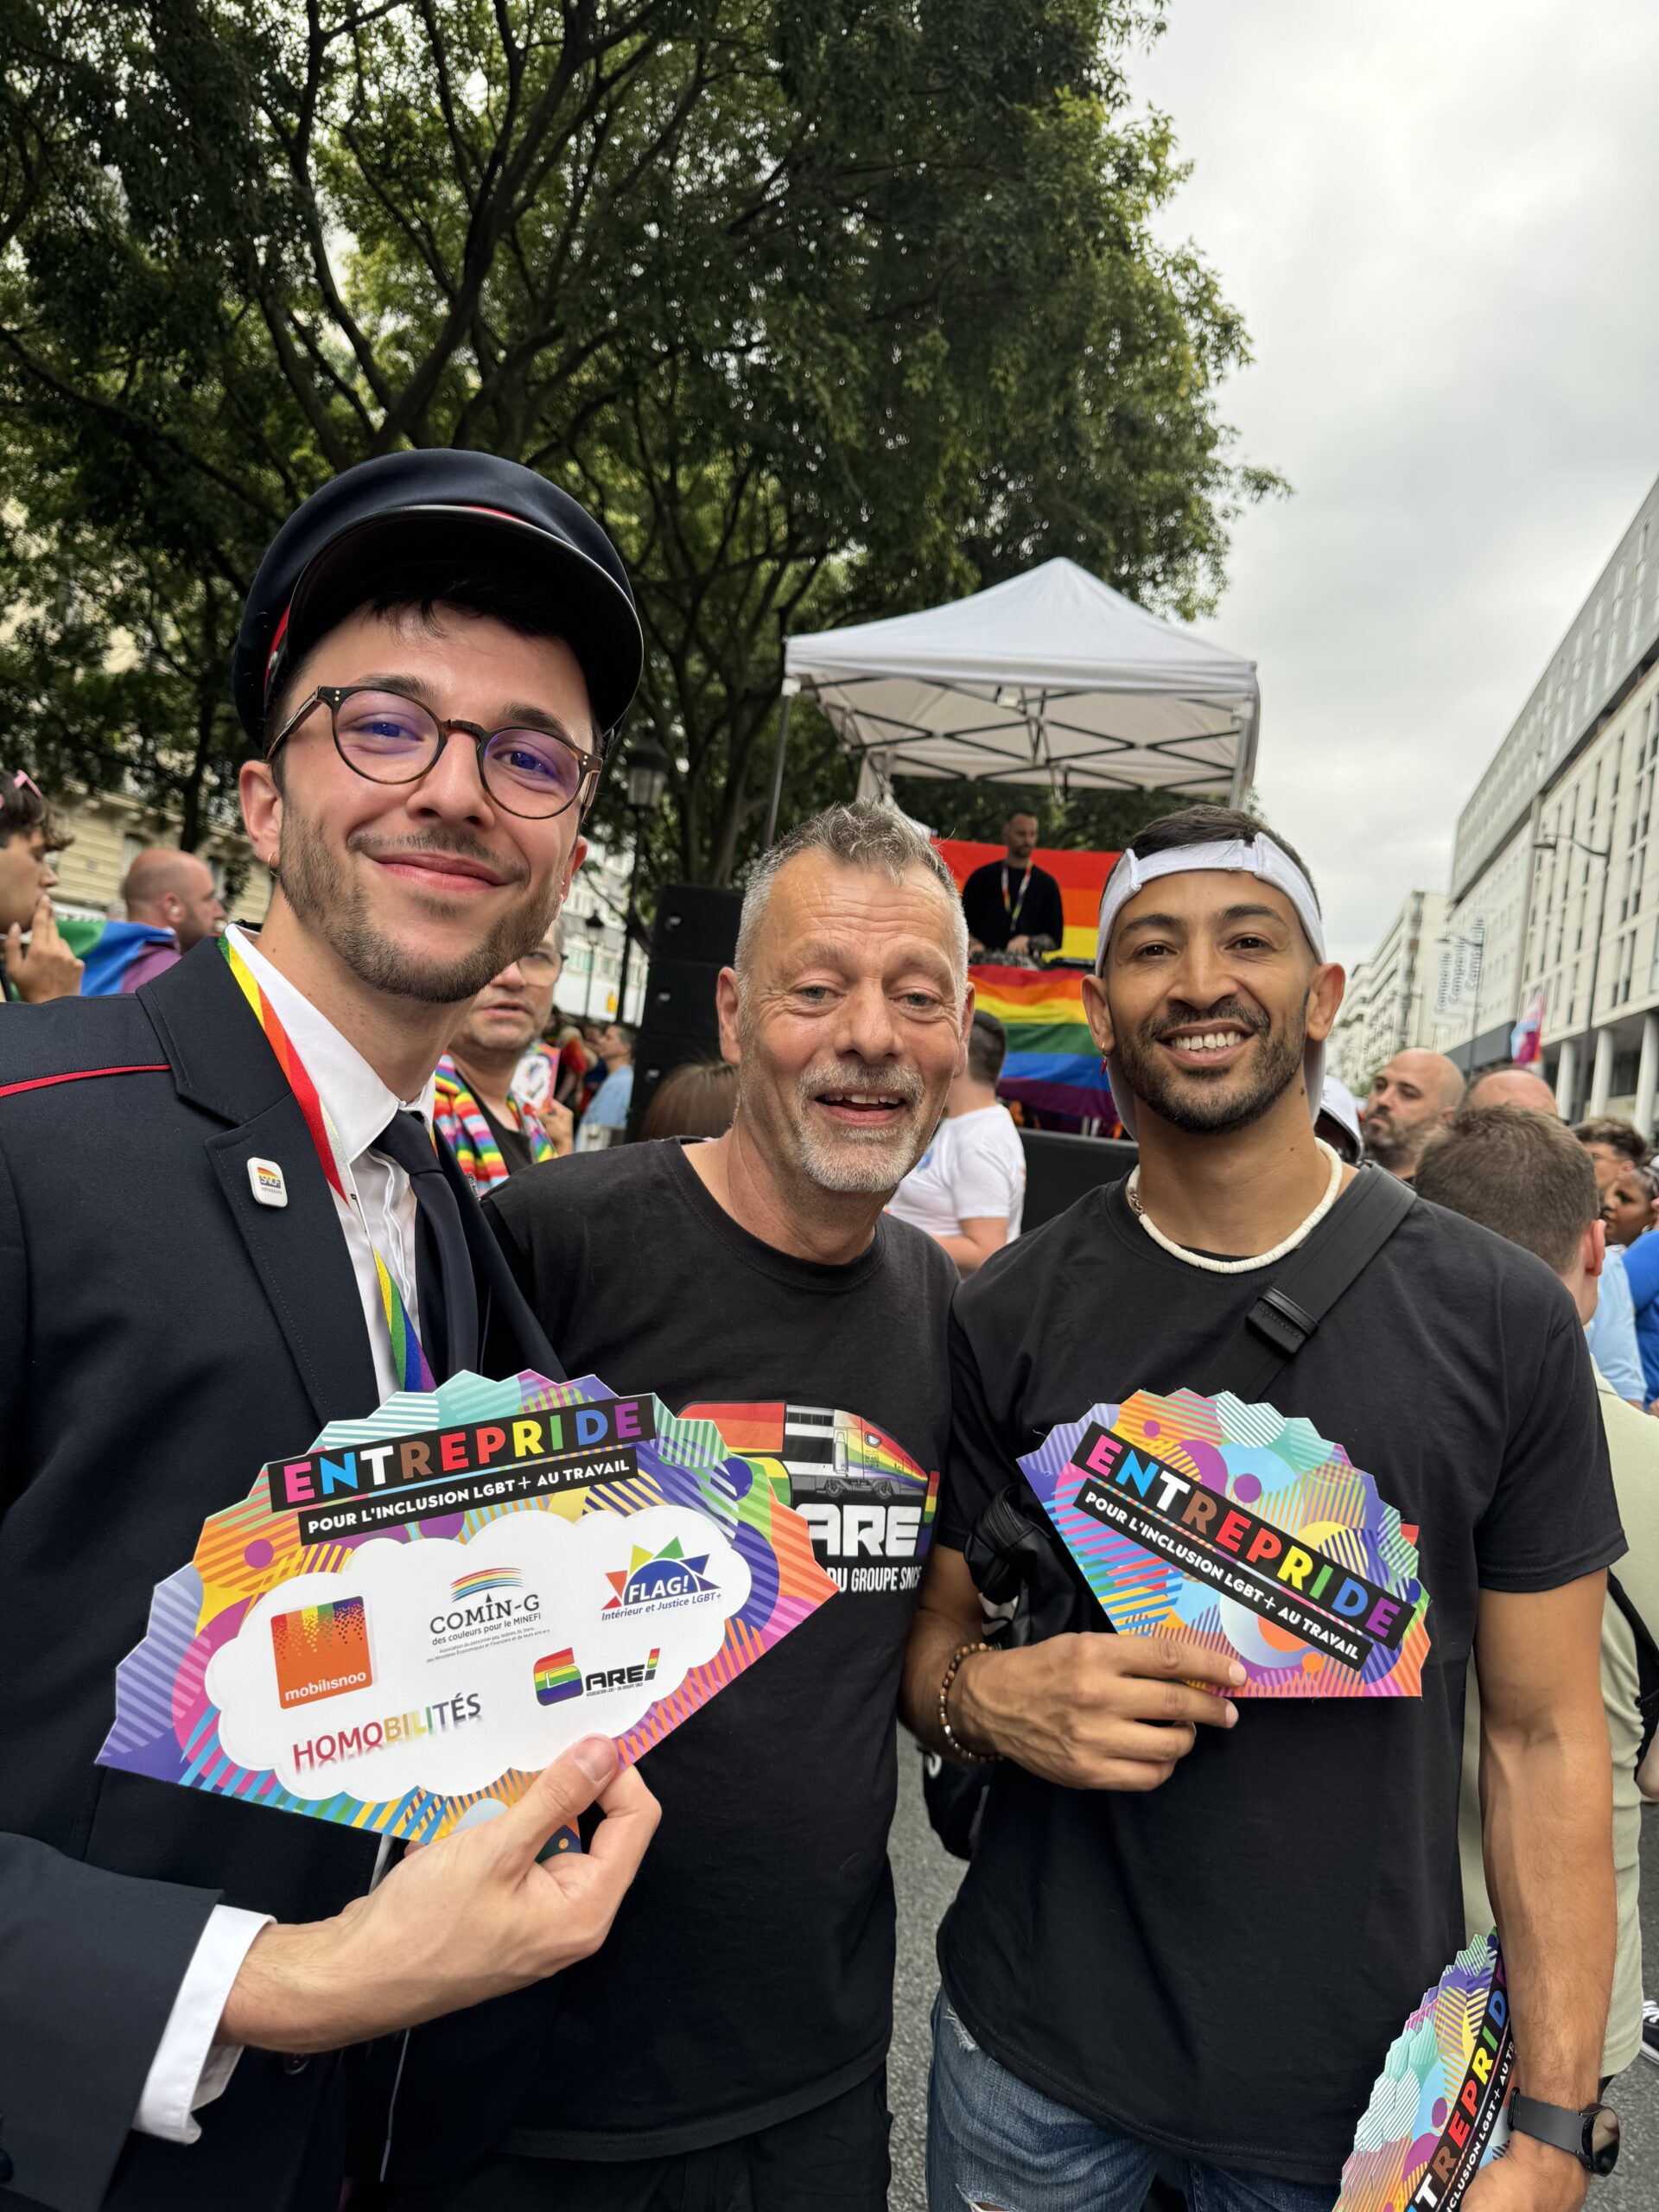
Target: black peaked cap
{"type": "Point", "coordinates": [401, 522]}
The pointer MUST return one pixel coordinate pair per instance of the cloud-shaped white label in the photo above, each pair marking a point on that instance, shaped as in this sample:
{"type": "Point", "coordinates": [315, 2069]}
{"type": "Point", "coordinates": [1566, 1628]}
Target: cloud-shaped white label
{"type": "Point", "coordinates": [441, 1666]}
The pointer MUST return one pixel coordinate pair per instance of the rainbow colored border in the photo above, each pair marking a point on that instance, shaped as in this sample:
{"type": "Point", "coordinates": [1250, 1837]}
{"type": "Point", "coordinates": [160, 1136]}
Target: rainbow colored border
{"type": "Point", "coordinates": [166, 1727]}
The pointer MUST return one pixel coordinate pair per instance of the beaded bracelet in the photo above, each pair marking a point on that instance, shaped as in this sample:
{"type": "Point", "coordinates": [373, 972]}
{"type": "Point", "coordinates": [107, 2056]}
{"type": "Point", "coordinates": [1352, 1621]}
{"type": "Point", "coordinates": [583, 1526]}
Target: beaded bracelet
{"type": "Point", "coordinates": [953, 1743]}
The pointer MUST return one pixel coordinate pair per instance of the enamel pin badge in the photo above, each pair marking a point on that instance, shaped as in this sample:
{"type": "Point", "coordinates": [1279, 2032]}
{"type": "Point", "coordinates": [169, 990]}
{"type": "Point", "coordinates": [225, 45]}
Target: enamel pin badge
{"type": "Point", "coordinates": [265, 1180]}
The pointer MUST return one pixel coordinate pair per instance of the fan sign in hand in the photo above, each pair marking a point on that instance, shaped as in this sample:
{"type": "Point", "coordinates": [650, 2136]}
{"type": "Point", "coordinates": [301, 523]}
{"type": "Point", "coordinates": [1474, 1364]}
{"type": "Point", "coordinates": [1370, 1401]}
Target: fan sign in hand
{"type": "Point", "coordinates": [1245, 1531]}
{"type": "Point", "coordinates": [1437, 2113]}
{"type": "Point", "coordinates": [396, 1629]}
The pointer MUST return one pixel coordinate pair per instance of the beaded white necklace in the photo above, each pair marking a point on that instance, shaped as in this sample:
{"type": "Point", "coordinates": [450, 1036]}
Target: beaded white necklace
{"type": "Point", "coordinates": [1132, 1192]}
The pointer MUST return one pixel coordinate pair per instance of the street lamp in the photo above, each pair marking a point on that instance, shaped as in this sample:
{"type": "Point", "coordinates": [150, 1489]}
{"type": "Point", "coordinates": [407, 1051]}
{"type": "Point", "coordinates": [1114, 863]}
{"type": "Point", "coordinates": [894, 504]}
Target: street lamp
{"type": "Point", "coordinates": [647, 768]}
{"type": "Point", "coordinates": [593, 922]}
{"type": "Point", "coordinates": [1594, 853]}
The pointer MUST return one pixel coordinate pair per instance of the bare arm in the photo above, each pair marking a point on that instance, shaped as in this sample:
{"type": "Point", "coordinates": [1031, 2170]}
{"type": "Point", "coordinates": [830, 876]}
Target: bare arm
{"type": "Point", "coordinates": [983, 1235]}
{"type": "Point", "coordinates": [1093, 1712]}
{"type": "Point", "coordinates": [1546, 1792]}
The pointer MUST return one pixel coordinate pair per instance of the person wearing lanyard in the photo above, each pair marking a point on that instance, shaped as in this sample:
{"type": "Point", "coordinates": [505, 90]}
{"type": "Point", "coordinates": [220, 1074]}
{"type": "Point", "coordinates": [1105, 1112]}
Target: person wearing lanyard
{"type": "Point", "coordinates": [435, 657]}
{"type": "Point", "coordinates": [1011, 906]}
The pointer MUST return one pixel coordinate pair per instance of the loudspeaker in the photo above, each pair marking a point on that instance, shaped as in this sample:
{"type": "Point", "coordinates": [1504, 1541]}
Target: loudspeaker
{"type": "Point", "coordinates": [696, 921]}
{"type": "Point", "coordinates": [1060, 1168]}
{"type": "Point", "coordinates": [679, 999]}
{"type": "Point", "coordinates": [695, 935]}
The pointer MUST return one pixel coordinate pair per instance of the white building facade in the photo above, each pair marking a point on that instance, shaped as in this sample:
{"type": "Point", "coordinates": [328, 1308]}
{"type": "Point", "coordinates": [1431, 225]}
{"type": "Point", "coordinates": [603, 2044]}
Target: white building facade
{"type": "Point", "coordinates": [1390, 1003]}
{"type": "Point", "coordinates": [1554, 876]}
{"type": "Point", "coordinates": [593, 940]}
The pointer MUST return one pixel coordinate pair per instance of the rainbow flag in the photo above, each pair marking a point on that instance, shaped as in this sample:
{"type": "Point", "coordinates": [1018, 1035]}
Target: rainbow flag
{"type": "Point", "coordinates": [1053, 1065]}
{"type": "Point", "coordinates": [1081, 876]}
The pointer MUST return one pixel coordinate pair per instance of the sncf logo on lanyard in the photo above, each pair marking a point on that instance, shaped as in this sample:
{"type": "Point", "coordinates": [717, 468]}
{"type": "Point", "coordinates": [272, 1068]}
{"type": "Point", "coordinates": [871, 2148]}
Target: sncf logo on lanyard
{"type": "Point", "coordinates": [413, 1368]}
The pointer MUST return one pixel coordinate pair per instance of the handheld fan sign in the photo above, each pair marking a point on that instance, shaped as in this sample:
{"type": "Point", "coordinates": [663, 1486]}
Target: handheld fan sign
{"type": "Point", "coordinates": [1437, 2113]}
{"type": "Point", "coordinates": [1241, 1530]}
{"type": "Point", "coordinates": [396, 1629]}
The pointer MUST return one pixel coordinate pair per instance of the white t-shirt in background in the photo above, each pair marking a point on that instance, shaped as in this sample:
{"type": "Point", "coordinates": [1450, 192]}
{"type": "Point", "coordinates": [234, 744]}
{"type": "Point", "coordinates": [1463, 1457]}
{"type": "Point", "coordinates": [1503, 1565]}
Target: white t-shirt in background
{"type": "Point", "coordinates": [975, 1169]}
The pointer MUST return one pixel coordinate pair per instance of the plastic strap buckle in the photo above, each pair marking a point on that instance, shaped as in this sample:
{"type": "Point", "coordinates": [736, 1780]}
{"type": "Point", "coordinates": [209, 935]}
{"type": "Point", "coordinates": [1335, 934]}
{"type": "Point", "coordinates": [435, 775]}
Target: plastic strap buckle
{"type": "Point", "coordinates": [1285, 1325]}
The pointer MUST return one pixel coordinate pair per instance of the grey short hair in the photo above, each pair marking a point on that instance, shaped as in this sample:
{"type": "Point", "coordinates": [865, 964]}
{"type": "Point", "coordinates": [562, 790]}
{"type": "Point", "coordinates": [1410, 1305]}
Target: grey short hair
{"type": "Point", "coordinates": [863, 835]}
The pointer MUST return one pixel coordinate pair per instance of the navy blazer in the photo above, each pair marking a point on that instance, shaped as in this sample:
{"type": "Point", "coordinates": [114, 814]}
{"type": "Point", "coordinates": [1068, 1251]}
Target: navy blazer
{"type": "Point", "coordinates": [161, 1335]}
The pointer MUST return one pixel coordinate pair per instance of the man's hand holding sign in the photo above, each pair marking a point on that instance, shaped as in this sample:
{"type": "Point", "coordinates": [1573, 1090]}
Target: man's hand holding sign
{"type": "Point", "coordinates": [473, 1917]}
{"type": "Point", "coordinates": [1088, 1711]}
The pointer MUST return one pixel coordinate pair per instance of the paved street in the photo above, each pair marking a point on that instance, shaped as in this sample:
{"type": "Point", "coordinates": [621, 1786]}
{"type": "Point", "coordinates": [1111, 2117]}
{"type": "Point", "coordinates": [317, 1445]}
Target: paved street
{"type": "Point", "coordinates": [926, 1879]}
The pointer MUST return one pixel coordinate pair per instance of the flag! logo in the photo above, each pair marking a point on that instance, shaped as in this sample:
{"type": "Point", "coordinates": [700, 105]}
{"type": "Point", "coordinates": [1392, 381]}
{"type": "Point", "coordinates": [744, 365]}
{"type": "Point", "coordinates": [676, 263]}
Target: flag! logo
{"type": "Point", "coordinates": [653, 1577]}
{"type": "Point", "coordinates": [557, 1677]}
{"type": "Point", "coordinates": [322, 1651]}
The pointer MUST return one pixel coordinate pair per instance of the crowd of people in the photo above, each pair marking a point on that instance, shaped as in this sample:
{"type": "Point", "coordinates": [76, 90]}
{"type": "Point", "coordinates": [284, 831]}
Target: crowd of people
{"type": "Point", "coordinates": [1585, 1200]}
{"type": "Point", "coordinates": [1196, 1915]}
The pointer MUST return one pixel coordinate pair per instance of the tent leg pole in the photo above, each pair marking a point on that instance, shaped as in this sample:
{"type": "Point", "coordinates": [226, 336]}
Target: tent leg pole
{"type": "Point", "coordinates": [777, 801]}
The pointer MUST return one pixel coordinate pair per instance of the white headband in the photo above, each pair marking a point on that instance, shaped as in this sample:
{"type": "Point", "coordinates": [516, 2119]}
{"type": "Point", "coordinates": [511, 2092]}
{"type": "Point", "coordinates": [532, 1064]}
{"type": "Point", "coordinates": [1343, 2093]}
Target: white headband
{"type": "Point", "coordinates": [1258, 856]}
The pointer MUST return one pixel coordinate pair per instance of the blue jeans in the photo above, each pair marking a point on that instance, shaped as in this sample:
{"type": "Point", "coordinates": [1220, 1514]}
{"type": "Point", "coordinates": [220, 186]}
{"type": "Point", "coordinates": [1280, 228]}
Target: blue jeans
{"type": "Point", "coordinates": [993, 2142]}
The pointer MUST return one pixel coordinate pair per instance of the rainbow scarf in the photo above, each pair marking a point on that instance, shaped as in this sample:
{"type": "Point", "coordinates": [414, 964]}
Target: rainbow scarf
{"type": "Point", "coordinates": [413, 1368]}
{"type": "Point", "coordinates": [461, 1124]}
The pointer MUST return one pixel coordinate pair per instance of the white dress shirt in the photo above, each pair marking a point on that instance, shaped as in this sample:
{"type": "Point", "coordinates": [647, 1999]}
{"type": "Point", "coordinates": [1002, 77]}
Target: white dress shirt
{"type": "Point", "coordinates": [189, 2069]}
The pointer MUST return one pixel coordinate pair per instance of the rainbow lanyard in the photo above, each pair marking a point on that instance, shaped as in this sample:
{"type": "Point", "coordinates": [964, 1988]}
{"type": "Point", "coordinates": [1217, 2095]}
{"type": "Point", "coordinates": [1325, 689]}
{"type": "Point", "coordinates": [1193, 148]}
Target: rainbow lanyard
{"type": "Point", "coordinates": [1014, 910]}
{"type": "Point", "coordinates": [413, 1366]}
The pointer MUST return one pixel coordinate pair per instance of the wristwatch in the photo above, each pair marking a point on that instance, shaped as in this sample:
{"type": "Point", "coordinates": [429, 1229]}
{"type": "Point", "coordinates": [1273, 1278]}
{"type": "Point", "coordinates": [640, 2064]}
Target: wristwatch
{"type": "Point", "coordinates": [1591, 2135]}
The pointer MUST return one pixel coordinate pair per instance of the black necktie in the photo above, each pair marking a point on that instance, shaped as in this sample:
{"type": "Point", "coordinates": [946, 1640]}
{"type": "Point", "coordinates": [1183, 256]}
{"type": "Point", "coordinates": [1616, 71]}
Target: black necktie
{"type": "Point", "coordinates": [443, 1268]}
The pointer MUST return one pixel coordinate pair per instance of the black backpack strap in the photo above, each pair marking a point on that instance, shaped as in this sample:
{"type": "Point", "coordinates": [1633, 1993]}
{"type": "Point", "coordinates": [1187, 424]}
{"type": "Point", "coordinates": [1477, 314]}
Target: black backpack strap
{"type": "Point", "coordinates": [1312, 1280]}
{"type": "Point", "coordinates": [1647, 1664]}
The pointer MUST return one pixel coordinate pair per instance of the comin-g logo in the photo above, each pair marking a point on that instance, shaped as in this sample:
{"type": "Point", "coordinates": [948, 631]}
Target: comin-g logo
{"type": "Point", "coordinates": [558, 1677]}
{"type": "Point", "coordinates": [667, 1577]}
{"type": "Point", "coordinates": [486, 1598]}
{"type": "Point", "coordinates": [396, 1728]}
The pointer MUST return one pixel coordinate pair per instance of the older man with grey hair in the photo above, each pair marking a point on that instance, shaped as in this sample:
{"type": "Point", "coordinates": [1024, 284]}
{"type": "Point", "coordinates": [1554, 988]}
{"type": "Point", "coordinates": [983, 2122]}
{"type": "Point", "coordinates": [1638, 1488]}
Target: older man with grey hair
{"type": "Point", "coordinates": [732, 2052]}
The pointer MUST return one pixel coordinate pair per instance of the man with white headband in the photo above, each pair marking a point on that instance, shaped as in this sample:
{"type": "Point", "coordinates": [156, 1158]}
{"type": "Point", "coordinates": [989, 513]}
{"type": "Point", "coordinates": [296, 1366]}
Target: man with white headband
{"type": "Point", "coordinates": [1194, 1922]}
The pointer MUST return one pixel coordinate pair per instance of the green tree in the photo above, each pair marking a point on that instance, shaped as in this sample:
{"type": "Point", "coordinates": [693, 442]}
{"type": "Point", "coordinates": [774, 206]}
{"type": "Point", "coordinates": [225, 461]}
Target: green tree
{"type": "Point", "coordinates": [1098, 821]}
{"type": "Point", "coordinates": [828, 308]}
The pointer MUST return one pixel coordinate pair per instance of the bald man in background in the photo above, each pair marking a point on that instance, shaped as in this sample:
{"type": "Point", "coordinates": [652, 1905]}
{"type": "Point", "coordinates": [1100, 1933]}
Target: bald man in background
{"type": "Point", "coordinates": [1512, 1087]}
{"type": "Point", "coordinates": [1413, 1096]}
{"type": "Point", "coordinates": [172, 903]}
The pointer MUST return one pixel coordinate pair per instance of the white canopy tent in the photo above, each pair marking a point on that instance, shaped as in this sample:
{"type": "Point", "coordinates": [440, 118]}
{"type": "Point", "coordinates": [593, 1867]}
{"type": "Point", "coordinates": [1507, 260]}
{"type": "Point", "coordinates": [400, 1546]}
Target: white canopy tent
{"type": "Point", "coordinates": [1051, 678]}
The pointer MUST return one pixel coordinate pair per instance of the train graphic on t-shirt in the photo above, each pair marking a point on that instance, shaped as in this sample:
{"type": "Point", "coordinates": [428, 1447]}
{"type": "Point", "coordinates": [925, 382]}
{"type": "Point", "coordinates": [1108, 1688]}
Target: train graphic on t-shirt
{"type": "Point", "coordinates": [869, 1506]}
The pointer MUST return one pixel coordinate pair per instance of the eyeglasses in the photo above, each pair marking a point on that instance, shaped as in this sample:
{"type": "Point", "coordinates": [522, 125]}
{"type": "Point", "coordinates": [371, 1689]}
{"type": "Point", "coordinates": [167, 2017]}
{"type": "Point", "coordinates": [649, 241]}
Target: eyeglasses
{"type": "Point", "coordinates": [19, 778]}
{"type": "Point", "coordinates": [542, 962]}
{"type": "Point", "coordinates": [391, 739]}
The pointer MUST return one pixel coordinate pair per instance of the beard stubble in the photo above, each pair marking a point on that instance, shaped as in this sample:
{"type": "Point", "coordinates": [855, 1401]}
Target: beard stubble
{"type": "Point", "coordinates": [324, 894]}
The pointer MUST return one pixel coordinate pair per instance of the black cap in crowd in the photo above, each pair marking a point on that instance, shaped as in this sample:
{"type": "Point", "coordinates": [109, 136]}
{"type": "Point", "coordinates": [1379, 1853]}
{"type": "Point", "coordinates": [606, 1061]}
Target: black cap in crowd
{"type": "Point", "coordinates": [399, 526]}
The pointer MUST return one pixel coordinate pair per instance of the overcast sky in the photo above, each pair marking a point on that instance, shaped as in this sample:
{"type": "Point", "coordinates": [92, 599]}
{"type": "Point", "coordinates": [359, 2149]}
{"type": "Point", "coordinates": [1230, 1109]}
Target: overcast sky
{"type": "Point", "coordinates": [1439, 222]}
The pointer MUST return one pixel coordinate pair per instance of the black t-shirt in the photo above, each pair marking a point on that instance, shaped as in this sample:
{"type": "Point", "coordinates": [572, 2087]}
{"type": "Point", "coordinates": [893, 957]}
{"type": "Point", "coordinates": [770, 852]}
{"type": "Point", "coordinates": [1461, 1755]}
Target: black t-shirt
{"type": "Point", "coordinates": [749, 1974]}
{"type": "Point", "coordinates": [985, 908]}
{"type": "Point", "coordinates": [1219, 1966]}
{"type": "Point", "coordinates": [514, 1144]}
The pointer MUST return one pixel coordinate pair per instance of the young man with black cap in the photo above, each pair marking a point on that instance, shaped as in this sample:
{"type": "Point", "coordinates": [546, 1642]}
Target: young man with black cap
{"type": "Point", "coordinates": [1193, 1924]}
{"type": "Point", "coordinates": [436, 653]}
